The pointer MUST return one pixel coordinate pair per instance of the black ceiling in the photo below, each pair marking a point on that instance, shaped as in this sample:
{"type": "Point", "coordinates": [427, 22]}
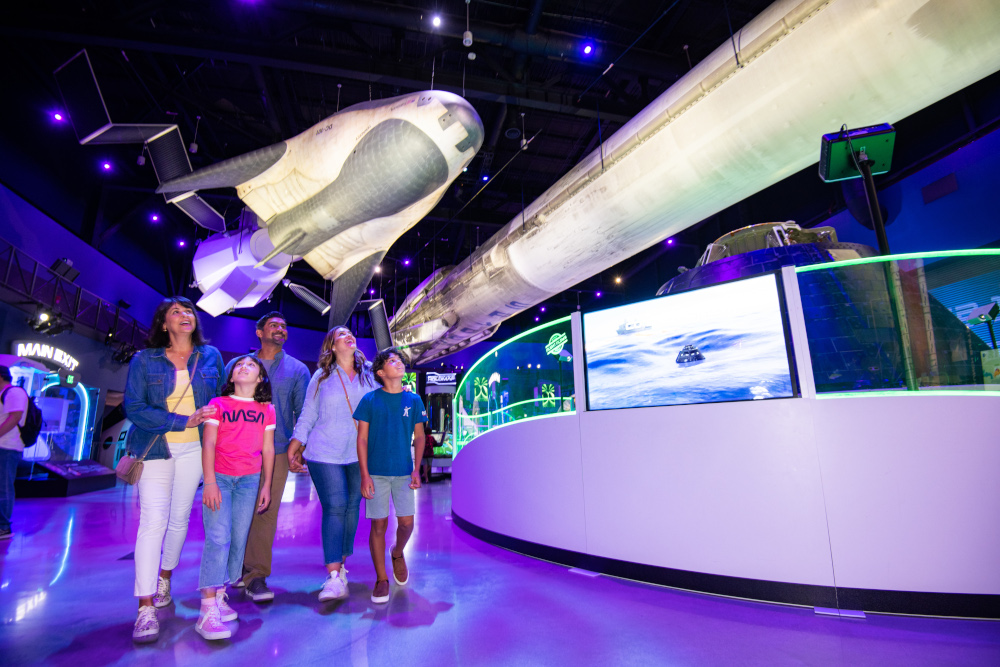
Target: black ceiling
{"type": "Point", "coordinates": [260, 71]}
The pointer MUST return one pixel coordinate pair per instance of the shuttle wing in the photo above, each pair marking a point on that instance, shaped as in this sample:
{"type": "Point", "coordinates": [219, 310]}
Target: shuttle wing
{"type": "Point", "coordinates": [228, 173]}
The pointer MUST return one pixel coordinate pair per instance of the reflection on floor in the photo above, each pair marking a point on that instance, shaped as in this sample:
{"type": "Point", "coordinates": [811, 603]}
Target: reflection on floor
{"type": "Point", "coordinates": [66, 599]}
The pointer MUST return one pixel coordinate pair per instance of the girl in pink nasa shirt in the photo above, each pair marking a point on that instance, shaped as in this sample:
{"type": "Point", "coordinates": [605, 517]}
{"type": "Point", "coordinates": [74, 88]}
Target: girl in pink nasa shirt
{"type": "Point", "coordinates": [238, 459]}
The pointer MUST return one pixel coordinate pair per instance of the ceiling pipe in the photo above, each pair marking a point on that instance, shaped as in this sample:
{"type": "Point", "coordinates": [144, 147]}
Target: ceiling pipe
{"type": "Point", "coordinates": [521, 60]}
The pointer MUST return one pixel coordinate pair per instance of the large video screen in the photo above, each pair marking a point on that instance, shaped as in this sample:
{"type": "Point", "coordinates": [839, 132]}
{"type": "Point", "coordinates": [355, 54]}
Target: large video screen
{"type": "Point", "coordinates": [720, 343]}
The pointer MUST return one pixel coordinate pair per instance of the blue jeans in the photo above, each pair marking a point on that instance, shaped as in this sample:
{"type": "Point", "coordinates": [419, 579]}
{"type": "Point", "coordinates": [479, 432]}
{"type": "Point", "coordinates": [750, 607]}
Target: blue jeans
{"type": "Point", "coordinates": [226, 530]}
{"type": "Point", "coordinates": [9, 458]}
{"type": "Point", "coordinates": [339, 491]}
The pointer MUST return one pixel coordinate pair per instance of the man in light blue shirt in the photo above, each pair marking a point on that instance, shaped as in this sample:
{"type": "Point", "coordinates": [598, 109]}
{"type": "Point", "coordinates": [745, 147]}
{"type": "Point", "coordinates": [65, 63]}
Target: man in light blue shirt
{"type": "Point", "coordinates": [289, 378]}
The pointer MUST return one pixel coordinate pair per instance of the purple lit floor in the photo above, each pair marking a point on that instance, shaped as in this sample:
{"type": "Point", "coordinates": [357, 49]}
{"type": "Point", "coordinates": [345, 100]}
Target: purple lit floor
{"type": "Point", "coordinates": [66, 599]}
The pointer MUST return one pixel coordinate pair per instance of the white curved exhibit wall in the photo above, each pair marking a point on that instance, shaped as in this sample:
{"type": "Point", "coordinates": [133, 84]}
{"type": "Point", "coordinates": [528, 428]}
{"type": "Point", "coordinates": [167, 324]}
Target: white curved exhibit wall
{"type": "Point", "coordinates": [880, 501]}
{"type": "Point", "coordinates": [886, 494]}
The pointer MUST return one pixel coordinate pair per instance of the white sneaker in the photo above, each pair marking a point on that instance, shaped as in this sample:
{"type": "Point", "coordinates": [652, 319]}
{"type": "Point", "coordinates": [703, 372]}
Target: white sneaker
{"type": "Point", "coordinates": [147, 627]}
{"type": "Point", "coordinates": [226, 613]}
{"type": "Point", "coordinates": [162, 597]}
{"type": "Point", "coordinates": [210, 625]}
{"type": "Point", "coordinates": [334, 588]}
{"type": "Point", "coordinates": [343, 574]}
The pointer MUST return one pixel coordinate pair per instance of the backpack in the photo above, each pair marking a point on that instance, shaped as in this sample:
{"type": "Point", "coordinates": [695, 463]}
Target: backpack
{"type": "Point", "coordinates": [32, 421]}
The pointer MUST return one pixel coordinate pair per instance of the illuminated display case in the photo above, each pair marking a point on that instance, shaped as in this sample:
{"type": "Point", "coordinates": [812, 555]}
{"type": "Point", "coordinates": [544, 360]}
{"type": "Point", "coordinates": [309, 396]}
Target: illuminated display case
{"type": "Point", "coordinates": [903, 323]}
{"type": "Point", "coordinates": [69, 414]}
{"type": "Point", "coordinates": [530, 375]}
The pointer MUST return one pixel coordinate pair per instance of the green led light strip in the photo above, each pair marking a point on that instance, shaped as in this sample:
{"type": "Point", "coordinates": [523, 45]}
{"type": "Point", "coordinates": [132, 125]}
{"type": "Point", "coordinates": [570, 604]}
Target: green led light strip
{"type": "Point", "coordinates": [903, 392]}
{"type": "Point", "coordinates": [988, 252]}
{"type": "Point", "coordinates": [508, 407]}
{"type": "Point", "coordinates": [468, 373]}
{"type": "Point", "coordinates": [518, 421]}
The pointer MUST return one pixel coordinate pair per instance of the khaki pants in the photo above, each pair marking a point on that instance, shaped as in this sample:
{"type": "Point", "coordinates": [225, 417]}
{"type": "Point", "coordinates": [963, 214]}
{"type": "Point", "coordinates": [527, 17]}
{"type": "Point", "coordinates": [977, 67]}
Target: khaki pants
{"type": "Point", "coordinates": [260, 542]}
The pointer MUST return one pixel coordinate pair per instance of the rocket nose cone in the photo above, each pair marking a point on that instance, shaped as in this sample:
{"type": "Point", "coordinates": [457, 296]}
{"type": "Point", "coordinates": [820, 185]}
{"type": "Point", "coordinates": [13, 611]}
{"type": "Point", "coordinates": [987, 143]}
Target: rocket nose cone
{"type": "Point", "coordinates": [462, 112]}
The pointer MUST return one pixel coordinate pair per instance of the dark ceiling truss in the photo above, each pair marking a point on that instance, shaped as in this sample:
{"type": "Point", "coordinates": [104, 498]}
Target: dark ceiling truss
{"type": "Point", "coordinates": [257, 73]}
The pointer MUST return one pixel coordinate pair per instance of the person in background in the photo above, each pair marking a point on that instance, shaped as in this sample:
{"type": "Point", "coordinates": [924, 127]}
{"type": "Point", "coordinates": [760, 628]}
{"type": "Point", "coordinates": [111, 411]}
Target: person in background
{"type": "Point", "coordinates": [238, 457]}
{"type": "Point", "coordinates": [14, 402]}
{"type": "Point", "coordinates": [169, 386]}
{"type": "Point", "coordinates": [326, 426]}
{"type": "Point", "coordinates": [425, 465]}
{"type": "Point", "coordinates": [388, 420]}
{"type": "Point", "coordinates": [289, 378]}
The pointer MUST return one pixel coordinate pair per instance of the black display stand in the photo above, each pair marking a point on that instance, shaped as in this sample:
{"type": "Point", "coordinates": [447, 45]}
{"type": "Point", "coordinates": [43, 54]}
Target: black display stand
{"type": "Point", "coordinates": [60, 479]}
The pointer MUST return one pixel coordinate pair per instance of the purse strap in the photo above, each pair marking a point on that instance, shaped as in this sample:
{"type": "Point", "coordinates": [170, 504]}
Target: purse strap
{"type": "Point", "coordinates": [341, 378]}
{"type": "Point", "coordinates": [180, 398]}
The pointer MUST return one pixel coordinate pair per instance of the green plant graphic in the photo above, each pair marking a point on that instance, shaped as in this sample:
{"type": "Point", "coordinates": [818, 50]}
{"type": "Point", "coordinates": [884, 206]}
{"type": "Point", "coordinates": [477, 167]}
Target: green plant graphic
{"type": "Point", "coordinates": [410, 381]}
{"type": "Point", "coordinates": [549, 394]}
{"type": "Point", "coordinates": [482, 388]}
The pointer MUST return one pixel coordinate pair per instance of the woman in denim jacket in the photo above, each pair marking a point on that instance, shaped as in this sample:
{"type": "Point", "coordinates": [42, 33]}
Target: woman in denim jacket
{"type": "Point", "coordinates": [167, 406]}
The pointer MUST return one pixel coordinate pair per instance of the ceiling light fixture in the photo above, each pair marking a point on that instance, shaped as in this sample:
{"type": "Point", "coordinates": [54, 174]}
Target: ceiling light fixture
{"type": "Point", "coordinates": [436, 21]}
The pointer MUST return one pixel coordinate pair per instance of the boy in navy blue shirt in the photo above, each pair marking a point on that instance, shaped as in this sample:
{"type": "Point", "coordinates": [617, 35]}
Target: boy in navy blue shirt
{"type": "Point", "coordinates": [388, 419]}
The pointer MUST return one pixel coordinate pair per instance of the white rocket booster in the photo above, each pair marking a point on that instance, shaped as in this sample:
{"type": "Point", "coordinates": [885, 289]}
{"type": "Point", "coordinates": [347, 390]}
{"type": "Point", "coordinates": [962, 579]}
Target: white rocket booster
{"type": "Point", "coordinates": [734, 125]}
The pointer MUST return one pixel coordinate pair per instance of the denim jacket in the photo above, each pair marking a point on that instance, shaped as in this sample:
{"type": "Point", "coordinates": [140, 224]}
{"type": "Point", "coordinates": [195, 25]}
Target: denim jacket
{"type": "Point", "coordinates": [151, 378]}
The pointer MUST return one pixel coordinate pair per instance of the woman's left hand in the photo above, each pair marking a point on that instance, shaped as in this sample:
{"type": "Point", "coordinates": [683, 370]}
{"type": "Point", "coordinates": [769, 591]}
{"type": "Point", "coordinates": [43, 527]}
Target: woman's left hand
{"type": "Point", "coordinates": [263, 500]}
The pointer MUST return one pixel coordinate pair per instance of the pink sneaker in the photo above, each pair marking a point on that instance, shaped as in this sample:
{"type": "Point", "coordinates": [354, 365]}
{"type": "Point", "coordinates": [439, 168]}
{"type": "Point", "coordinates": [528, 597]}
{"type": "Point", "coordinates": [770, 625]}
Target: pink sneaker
{"type": "Point", "coordinates": [210, 625]}
{"type": "Point", "coordinates": [226, 613]}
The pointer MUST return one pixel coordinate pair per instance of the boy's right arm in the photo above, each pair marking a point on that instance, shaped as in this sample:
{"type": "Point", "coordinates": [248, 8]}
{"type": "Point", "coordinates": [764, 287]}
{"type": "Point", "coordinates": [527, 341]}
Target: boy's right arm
{"type": "Point", "coordinates": [367, 486]}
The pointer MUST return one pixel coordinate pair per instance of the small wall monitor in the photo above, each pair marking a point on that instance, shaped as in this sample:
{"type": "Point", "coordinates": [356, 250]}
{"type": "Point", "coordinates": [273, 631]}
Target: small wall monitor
{"type": "Point", "coordinates": [726, 342]}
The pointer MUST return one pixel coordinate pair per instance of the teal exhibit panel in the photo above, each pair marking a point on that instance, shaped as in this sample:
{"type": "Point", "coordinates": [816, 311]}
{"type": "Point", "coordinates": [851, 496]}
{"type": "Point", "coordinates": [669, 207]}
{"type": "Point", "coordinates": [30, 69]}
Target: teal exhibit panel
{"type": "Point", "coordinates": [529, 376]}
{"type": "Point", "coordinates": [862, 483]}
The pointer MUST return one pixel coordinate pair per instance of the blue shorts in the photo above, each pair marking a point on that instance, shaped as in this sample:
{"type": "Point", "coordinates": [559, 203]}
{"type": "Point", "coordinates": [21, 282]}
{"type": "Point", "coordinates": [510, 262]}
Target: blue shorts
{"type": "Point", "coordinates": [402, 497]}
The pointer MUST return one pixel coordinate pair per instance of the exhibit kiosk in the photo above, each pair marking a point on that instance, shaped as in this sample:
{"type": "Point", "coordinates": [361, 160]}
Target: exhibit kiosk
{"type": "Point", "coordinates": [59, 462]}
{"type": "Point", "coordinates": [820, 435]}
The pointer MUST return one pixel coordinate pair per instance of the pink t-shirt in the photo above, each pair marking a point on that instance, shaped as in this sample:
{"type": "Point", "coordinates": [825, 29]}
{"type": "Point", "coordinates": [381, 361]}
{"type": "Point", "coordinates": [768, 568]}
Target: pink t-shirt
{"type": "Point", "coordinates": [241, 422]}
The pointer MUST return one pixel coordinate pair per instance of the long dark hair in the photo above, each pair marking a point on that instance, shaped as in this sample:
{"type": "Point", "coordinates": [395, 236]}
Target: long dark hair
{"type": "Point", "coordinates": [158, 336]}
{"type": "Point", "coordinates": [262, 394]}
{"type": "Point", "coordinates": [327, 360]}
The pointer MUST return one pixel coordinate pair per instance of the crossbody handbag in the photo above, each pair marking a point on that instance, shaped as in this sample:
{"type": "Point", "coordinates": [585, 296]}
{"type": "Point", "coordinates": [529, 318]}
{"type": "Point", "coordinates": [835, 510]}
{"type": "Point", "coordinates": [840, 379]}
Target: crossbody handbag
{"type": "Point", "coordinates": [351, 407]}
{"type": "Point", "coordinates": [129, 468]}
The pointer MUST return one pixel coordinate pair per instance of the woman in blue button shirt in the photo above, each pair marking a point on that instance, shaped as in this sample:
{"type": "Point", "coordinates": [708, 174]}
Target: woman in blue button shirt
{"type": "Point", "coordinates": [326, 425]}
{"type": "Point", "coordinates": [166, 396]}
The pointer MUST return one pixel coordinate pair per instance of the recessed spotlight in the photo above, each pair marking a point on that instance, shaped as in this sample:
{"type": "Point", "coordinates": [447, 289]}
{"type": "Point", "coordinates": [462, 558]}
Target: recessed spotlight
{"type": "Point", "coordinates": [598, 295]}
{"type": "Point", "coordinates": [485, 177]}
{"type": "Point", "coordinates": [154, 218]}
{"type": "Point", "coordinates": [378, 269]}
{"type": "Point", "coordinates": [588, 48]}
{"type": "Point", "coordinates": [543, 309]}
{"type": "Point", "coordinates": [536, 319]}
{"type": "Point", "coordinates": [618, 280]}
{"type": "Point", "coordinates": [406, 262]}
{"type": "Point", "coordinates": [57, 116]}
{"type": "Point", "coordinates": [436, 21]}
{"type": "Point", "coordinates": [106, 166]}
{"type": "Point", "coordinates": [670, 241]}
{"type": "Point", "coordinates": [181, 243]}
{"type": "Point", "coordinates": [371, 292]}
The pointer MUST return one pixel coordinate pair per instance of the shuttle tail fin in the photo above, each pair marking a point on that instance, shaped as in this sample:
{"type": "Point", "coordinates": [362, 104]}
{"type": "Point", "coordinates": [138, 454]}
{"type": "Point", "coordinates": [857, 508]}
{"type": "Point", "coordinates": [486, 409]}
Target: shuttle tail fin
{"type": "Point", "coordinates": [349, 288]}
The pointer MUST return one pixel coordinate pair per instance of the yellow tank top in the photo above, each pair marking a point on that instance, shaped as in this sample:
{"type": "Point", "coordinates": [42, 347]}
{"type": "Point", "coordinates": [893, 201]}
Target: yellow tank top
{"type": "Point", "coordinates": [185, 407]}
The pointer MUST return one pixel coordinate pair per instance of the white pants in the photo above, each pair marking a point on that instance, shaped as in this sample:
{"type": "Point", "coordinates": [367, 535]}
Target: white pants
{"type": "Point", "coordinates": [166, 493]}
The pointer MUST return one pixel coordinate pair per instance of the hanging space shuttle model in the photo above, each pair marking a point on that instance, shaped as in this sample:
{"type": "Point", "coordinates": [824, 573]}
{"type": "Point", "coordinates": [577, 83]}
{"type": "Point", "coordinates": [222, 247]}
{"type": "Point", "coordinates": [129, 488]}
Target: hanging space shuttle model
{"type": "Point", "coordinates": [337, 195]}
{"type": "Point", "coordinates": [737, 123]}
